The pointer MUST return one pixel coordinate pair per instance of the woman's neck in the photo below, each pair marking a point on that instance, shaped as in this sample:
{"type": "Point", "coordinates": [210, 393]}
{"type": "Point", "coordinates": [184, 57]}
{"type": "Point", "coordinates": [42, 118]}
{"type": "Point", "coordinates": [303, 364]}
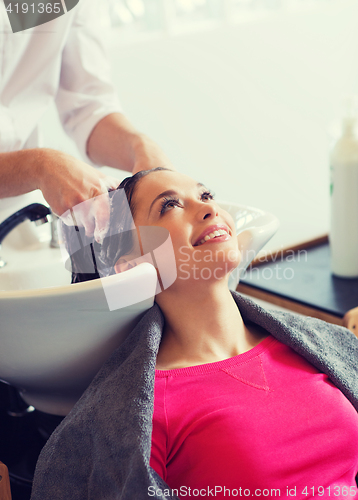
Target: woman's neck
{"type": "Point", "coordinates": [202, 325]}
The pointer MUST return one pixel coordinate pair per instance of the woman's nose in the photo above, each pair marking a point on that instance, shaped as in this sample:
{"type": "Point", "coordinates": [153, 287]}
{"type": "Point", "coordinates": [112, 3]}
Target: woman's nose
{"type": "Point", "coordinates": [208, 210]}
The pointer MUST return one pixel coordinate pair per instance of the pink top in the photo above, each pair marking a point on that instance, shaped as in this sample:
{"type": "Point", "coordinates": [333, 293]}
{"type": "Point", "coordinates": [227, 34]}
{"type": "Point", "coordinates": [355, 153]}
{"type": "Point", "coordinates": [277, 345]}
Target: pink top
{"type": "Point", "coordinates": [265, 419]}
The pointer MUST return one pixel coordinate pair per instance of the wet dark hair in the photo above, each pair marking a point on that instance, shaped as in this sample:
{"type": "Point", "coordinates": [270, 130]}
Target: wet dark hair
{"type": "Point", "coordinates": [87, 257]}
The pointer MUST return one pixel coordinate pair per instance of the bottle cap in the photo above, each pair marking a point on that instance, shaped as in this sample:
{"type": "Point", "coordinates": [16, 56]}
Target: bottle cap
{"type": "Point", "coordinates": [350, 114]}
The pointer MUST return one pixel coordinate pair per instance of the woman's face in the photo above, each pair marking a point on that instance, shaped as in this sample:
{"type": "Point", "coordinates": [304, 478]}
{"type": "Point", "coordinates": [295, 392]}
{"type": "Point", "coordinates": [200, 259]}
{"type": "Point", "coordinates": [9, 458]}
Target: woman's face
{"type": "Point", "coordinates": [203, 235]}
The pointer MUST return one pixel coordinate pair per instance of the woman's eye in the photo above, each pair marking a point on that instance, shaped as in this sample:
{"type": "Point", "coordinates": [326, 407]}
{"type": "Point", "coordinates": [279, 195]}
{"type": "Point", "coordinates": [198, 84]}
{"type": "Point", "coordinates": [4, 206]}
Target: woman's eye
{"type": "Point", "coordinates": [168, 204]}
{"type": "Point", "coordinates": [207, 196]}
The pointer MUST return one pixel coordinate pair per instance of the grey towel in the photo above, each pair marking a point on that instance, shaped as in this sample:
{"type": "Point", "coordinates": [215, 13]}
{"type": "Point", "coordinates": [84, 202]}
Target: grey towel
{"type": "Point", "coordinates": [101, 450]}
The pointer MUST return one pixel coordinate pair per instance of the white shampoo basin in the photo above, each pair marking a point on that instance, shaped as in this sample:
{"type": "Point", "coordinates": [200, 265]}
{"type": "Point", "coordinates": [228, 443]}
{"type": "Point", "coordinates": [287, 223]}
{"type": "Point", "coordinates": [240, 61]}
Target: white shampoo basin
{"type": "Point", "coordinates": [54, 339]}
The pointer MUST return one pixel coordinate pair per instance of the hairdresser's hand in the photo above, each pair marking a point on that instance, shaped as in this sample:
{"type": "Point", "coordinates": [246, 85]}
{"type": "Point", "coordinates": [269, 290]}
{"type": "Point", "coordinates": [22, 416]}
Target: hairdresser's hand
{"type": "Point", "coordinates": [148, 155]}
{"type": "Point", "coordinates": [67, 182]}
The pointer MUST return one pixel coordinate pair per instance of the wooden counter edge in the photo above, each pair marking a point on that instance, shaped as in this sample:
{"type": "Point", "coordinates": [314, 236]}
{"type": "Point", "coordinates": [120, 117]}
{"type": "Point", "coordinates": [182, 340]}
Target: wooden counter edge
{"type": "Point", "coordinates": [5, 492]}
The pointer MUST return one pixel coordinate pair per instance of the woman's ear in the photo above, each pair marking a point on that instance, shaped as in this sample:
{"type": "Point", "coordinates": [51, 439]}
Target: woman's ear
{"type": "Point", "coordinates": [123, 264]}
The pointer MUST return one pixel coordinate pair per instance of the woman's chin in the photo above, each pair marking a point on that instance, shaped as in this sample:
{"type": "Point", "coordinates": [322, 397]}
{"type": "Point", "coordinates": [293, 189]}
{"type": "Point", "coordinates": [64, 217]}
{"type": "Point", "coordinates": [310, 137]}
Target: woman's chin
{"type": "Point", "coordinates": [206, 269]}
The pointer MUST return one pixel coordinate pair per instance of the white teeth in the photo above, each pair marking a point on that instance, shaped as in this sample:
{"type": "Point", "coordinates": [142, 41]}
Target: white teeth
{"type": "Point", "coordinates": [214, 234]}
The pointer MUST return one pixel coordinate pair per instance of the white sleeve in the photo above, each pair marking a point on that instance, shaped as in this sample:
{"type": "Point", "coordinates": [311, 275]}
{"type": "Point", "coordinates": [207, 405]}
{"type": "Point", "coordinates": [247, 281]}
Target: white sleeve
{"type": "Point", "coordinates": [86, 93]}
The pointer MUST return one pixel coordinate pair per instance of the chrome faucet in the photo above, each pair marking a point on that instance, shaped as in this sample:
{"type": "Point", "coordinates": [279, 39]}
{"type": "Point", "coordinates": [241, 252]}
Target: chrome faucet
{"type": "Point", "coordinates": [35, 212]}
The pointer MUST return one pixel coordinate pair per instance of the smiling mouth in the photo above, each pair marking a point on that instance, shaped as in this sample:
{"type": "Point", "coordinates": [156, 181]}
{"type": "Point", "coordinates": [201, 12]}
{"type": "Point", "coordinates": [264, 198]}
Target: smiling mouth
{"type": "Point", "coordinates": [211, 236]}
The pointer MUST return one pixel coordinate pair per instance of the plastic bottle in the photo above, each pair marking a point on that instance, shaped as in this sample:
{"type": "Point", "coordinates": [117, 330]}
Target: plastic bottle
{"type": "Point", "coordinates": [343, 236]}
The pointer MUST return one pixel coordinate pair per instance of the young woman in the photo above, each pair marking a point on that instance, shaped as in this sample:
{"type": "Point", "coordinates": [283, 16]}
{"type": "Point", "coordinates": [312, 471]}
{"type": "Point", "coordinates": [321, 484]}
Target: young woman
{"type": "Point", "coordinates": [237, 412]}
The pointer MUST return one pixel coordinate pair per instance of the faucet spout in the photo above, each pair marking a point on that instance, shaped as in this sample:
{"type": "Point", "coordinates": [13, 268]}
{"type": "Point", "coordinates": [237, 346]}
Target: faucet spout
{"type": "Point", "coordinates": [34, 212]}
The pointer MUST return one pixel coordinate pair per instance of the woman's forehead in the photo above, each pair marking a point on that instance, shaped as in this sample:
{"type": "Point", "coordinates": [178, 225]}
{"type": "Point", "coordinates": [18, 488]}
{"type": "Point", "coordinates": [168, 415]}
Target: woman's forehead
{"type": "Point", "coordinates": [164, 180]}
